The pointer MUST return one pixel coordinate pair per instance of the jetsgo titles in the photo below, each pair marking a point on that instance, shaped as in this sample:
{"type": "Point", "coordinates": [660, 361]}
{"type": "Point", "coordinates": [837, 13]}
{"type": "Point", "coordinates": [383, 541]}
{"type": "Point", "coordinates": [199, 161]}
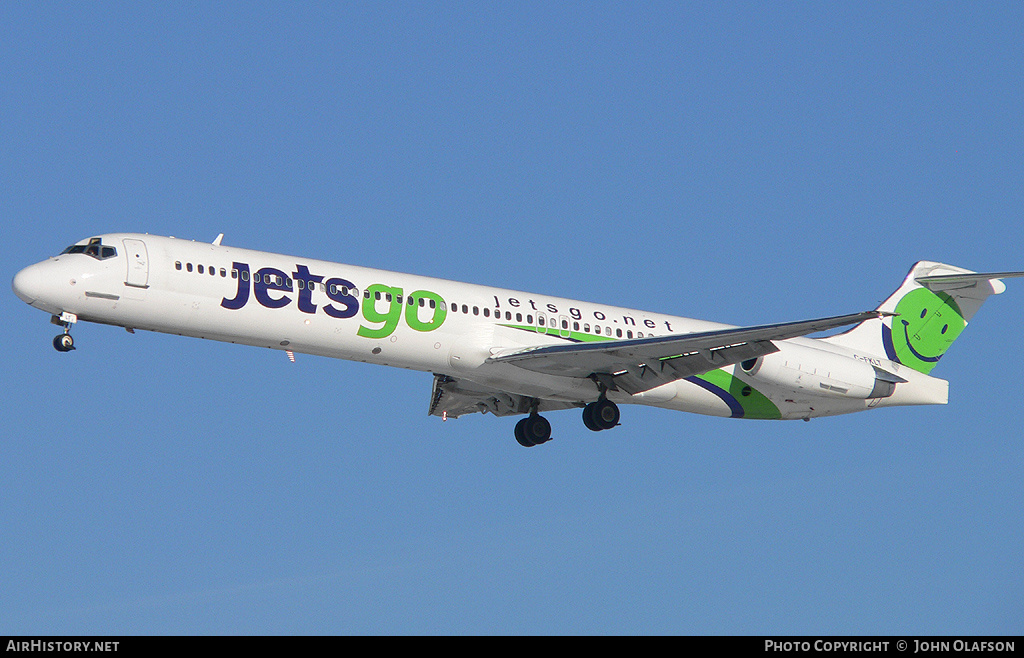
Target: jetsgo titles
{"type": "Point", "coordinates": [383, 306]}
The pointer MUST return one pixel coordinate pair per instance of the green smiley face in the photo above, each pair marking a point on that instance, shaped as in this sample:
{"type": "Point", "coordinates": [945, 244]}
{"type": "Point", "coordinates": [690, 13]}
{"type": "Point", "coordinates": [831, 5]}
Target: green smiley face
{"type": "Point", "coordinates": [926, 325]}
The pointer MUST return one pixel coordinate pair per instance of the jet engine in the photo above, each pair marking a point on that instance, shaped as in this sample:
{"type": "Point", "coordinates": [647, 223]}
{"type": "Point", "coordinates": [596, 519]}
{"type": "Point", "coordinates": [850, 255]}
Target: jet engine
{"type": "Point", "coordinates": [818, 372]}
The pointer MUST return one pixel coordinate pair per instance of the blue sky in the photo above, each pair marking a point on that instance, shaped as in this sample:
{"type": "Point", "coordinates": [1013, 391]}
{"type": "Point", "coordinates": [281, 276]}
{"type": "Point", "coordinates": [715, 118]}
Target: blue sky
{"type": "Point", "coordinates": [739, 162]}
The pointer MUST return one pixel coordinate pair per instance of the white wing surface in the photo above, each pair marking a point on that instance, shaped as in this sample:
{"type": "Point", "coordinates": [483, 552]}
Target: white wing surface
{"type": "Point", "coordinates": [641, 364]}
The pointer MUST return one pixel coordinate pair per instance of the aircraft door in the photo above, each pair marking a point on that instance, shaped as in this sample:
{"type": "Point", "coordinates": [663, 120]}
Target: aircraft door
{"type": "Point", "coordinates": [542, 325]}
{"type": "Point", "coordinates": [138, 263]}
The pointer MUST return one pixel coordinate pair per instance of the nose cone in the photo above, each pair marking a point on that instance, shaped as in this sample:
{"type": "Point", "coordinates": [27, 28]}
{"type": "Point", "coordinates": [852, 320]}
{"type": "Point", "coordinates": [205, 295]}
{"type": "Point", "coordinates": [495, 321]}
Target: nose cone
{"type": "Point", "coordinates": [28, 284]}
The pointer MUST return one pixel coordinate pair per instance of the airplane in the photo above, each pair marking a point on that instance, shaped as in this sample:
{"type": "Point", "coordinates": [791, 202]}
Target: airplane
{"type": "Point", "coordinates": [512, 353]}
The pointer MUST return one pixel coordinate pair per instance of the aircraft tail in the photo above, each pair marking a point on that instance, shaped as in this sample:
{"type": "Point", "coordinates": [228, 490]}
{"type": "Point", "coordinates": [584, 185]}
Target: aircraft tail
{"type": "Point", "coordinates": [927, 313]}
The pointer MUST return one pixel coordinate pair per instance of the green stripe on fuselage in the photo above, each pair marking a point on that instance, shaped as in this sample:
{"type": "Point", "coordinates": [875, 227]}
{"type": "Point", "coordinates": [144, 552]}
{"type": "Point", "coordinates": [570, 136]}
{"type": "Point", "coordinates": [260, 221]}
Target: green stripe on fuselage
{"type": "Point", "coordinates": [574, 336]}
{"type": "Point", "coordinates": [754, 403]}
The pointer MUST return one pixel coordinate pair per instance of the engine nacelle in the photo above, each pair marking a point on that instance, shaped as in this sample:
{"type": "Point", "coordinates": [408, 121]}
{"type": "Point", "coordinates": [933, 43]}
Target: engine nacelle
{"type": "Point", "coordinates": [818, 372]}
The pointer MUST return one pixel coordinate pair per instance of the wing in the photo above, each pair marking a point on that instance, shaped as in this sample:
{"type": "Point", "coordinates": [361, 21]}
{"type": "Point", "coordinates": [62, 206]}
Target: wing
{"type": "Point", "coordinates": [644, 363]}
{"type": "Point", "coordinates": [452, 398]}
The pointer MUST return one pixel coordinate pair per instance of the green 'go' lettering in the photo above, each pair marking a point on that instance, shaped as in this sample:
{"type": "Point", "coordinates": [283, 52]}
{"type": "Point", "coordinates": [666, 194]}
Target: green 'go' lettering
{"type": "Point", "coordinates": [370, 312]}
{"type": "Point", "coordinates": [388, 320]}
{"type": "Point", "coordinates": [412, 317]}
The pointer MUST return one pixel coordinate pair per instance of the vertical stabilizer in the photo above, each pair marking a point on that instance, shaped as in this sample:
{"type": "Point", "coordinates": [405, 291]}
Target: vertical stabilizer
{"type": "Point", "coordinates": [929, 311]}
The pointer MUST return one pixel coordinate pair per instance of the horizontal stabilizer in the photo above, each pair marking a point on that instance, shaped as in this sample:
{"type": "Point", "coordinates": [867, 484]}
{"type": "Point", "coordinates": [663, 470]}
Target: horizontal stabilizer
{"type": "Point", "coordinates": [969, 280]}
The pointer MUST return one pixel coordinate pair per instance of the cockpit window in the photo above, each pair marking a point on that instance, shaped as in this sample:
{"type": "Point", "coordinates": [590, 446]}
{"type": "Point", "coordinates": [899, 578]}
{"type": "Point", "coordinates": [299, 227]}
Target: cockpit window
{"type": "Point", "coordinates": [95, 248]}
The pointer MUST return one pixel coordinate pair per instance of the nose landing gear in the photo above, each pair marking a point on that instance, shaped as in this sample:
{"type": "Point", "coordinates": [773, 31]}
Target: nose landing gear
{"type": "Point", "coordinates": [64, 342]}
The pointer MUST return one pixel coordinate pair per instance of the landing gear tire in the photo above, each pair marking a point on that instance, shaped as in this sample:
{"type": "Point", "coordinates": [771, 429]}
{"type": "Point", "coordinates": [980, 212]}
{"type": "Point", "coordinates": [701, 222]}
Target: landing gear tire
{"type": "Point", "coordinates": [63, 342]}
{"type": "Point", "coordinates": [588, 418]}
{"type": "Point", "coordinates": [601, 415]}
{"type": "Point", "coordinates": [521, 434]}
{"type": "Point", "coordinates": [533, 431]}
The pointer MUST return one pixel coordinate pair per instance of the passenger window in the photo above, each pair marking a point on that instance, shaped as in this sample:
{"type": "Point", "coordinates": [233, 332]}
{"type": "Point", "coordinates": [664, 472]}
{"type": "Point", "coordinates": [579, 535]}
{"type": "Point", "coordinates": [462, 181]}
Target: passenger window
{"type": "Point", "coordinates": [519, 317]}
{"type": "Point", "coordinates": [199, 268]}
{"type": "Point", "coordinates": [586, 327]}
{"type": "Point", "coordinates": [188, 267]}
{"type": "Point", "coordinates": [234, 274]}
{"type": "Point", "coordinates": [213, 270]}
{"type": "Point", "coordinates": [465, 309]}
{"type": "Point", "coordinates": [575, 326]}
{"type": "Point", "coordinates": [607, 331]}
{"type": "Point", "coordinates": [476, 310]}
{"type": "Point", "coordinates": [629, 333]}
{"type": "Point", "coordinates": [618, 333]}
{"type": "Point", "coordinates": [245, 275]}
{"type": "Point", "coordinates": [177, 264]}
{"type": "Point", "coordinates": [508, 315]}
{"type": "Point", "coordinates": [223, 273]}
{"type": "Point", "coordinates": [487, 312]}
{"type": "Point", "coordinates": [529, 319]}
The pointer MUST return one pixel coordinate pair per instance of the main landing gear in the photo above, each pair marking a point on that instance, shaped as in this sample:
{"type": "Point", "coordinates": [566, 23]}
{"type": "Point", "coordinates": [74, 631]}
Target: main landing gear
{"type": "Point", "coordinates": [601, 415]}
{"type": "Point", "coordinates": [535, 429]}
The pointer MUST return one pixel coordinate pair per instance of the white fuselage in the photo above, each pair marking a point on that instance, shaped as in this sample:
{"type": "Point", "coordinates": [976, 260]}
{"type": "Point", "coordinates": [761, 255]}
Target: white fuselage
{"type": "Point", "coordinates": [348, 312]}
